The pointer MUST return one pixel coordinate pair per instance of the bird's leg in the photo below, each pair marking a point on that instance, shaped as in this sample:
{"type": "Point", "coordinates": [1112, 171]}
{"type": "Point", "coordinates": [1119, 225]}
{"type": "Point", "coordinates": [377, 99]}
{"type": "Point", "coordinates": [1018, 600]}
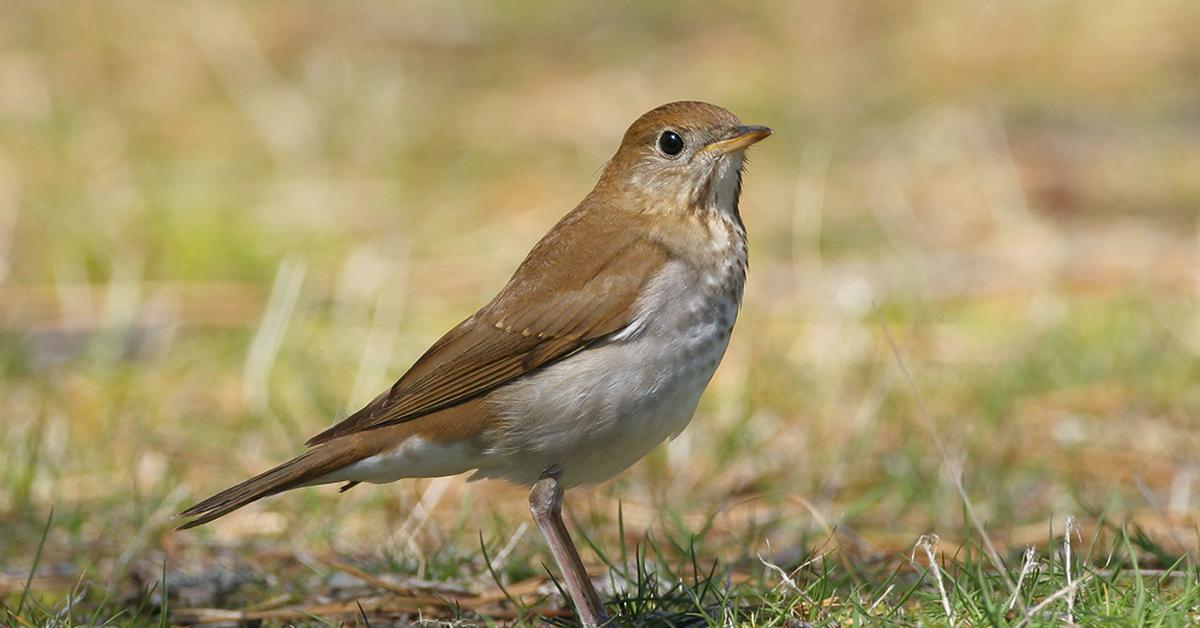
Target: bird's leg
{"type": "Point", "coordinates": [545, 503]}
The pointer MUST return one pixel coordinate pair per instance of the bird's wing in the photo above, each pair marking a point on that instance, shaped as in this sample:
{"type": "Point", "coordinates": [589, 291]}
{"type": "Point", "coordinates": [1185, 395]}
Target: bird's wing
{"type": "Point", "coordinates": [570, 292]}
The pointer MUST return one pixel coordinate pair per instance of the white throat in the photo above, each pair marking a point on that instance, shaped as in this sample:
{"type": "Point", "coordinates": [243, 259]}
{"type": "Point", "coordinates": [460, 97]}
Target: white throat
{"type": "Point", "coordinates": [726, 186]}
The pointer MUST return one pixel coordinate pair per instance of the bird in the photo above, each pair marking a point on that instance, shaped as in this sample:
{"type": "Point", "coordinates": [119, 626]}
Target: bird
{"type": "Point", "coordinates": [595, 351]}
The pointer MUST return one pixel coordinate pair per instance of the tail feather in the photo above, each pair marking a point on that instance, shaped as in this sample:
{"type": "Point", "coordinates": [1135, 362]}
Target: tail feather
{"type": "Point", "coordinates": [297, 472]}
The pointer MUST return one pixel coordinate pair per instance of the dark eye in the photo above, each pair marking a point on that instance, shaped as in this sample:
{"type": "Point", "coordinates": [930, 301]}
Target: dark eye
{"type": "Point", "coordinates": [670, 143]}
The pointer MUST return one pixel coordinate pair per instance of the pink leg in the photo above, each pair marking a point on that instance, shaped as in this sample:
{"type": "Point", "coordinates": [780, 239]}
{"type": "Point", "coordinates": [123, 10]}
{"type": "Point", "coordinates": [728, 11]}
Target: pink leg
{"type": "Point", "coordinates": [545, 503]}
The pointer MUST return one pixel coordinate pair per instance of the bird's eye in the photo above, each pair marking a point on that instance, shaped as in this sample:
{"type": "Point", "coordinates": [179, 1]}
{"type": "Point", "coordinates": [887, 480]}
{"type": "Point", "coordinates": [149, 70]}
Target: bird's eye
{"type": "Point", "coordinates": [670, 143]}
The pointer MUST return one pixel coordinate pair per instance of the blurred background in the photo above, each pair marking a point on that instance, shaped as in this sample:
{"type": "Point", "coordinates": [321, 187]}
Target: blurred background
{"type": "Point", "coordinates": [224, 225]}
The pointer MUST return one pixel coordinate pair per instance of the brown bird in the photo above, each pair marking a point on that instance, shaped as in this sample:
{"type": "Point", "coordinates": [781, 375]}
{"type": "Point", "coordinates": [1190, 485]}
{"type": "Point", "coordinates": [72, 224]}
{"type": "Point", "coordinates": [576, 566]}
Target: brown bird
{"type": "Point", "coordinates": [596, 350]}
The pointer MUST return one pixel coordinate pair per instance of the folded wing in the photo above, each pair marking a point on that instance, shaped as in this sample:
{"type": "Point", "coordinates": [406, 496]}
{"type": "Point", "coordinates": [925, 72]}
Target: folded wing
{"type": "Point", "coordinates": [570, 292]}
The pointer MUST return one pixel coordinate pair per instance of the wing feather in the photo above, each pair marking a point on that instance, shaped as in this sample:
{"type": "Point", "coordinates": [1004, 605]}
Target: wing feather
{"type": "Point", "coordinates": [579, 285]}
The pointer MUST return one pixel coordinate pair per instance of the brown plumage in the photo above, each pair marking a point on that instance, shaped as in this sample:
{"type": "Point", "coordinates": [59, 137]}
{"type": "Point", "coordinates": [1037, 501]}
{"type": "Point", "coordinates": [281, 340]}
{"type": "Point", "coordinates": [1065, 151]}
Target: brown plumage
{"type": "Point", "coordinates": [327, 457]}
{"type": "Point", "coordinates": [291, 474]}
{"type": "Point", "coordinates": [572, 289]}
{"type": "Point", "coordinates": [593, 282]}
{"type": "Point", "coordinates": [594, 352]}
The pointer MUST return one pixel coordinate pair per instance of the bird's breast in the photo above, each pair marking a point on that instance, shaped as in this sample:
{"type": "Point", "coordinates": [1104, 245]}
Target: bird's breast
{"type": "Point", "coordinates": [602, 409]}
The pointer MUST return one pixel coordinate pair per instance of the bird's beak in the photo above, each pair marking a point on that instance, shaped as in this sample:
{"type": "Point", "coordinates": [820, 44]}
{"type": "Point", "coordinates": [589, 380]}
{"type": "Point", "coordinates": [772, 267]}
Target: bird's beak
{"type": "Point", "coordinates": [742, 137]}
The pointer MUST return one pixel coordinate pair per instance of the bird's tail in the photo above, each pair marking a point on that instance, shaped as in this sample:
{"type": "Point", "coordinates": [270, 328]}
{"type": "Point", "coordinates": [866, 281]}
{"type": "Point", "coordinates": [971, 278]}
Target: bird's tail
{"type": "Point", "coordinates": [303, 470]}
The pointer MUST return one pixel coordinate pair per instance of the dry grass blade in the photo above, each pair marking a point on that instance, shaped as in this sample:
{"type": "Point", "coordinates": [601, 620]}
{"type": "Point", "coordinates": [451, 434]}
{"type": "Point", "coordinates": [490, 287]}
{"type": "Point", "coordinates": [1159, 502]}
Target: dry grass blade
{"type": "Point", "coordinates": [1033, 249]}
{"type": "Point", "coordinates": [1030, 614]}
{"type": "Point", "coordinates": [1027, 566]}
{"type": "Point", "coordinates": [992, 554]}
{"type": "Point", "coordinates": [417, 595]}
{"type": "Point", "coordinates": [340, 610]}
{"type": "Point", "coordinates": [380, 583]}
{"type": "Point", "coordinates": [928, 543]}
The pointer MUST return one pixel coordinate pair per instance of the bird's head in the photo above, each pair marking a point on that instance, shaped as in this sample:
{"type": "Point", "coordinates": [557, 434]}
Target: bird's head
{"type": "Point", "coordinates": [682, 157]}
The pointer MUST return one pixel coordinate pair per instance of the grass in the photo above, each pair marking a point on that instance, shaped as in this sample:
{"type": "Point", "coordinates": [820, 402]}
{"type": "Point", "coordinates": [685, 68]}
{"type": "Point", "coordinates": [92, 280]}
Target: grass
{"type": "Point", "coordinates": [659, 582]}
{"type": "Point", "coordinates": [223, 226]}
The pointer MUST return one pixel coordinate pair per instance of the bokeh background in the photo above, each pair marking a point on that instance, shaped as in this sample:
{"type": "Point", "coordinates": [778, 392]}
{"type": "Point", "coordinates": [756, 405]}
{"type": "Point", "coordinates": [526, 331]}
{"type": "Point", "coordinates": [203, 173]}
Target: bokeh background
{"type": "Point", "coordinates": [224, 225]}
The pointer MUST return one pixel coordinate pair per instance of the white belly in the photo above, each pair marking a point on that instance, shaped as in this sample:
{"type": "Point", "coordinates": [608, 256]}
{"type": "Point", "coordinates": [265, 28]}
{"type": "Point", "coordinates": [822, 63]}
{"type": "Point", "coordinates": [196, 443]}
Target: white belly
{"type": "Point", "coordinates": [601, 410]}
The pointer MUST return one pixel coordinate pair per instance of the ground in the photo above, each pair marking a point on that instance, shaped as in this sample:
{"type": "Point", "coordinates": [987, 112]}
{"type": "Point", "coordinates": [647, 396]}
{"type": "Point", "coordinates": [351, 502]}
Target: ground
{"type": "Point", "coordinates": [970, 337]}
